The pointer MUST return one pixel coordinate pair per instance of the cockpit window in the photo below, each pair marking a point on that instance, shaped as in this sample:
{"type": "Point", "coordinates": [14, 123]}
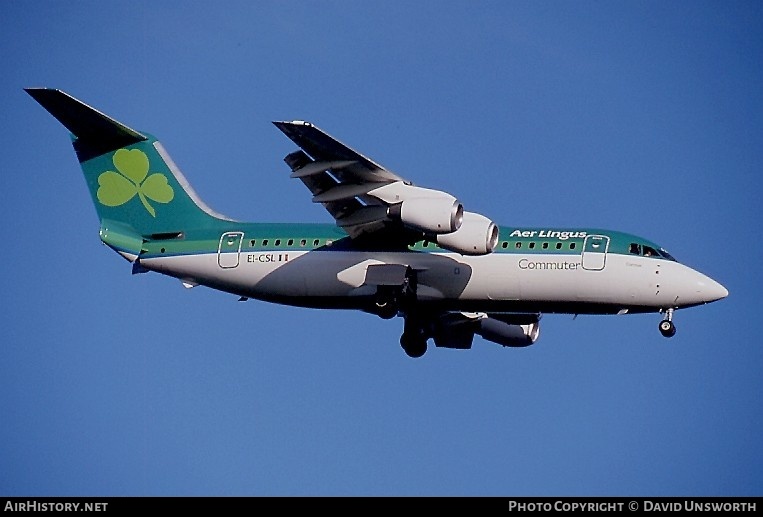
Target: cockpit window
{"type": "Point", "coordinates": [647, 251]}
{"type": "Point", "coordinates": [667, 255]}
{"type": "Point", "coordinates": [650, 252]}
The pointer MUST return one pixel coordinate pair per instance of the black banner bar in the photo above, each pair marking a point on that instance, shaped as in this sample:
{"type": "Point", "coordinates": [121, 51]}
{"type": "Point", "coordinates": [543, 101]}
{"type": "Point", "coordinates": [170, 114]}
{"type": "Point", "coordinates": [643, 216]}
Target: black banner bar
{"type": "Point", "coordinates": [13, 505]}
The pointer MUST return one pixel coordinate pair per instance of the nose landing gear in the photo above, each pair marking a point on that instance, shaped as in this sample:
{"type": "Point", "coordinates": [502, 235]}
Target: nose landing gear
{"type": "Point", "coordinates": [667, 328]}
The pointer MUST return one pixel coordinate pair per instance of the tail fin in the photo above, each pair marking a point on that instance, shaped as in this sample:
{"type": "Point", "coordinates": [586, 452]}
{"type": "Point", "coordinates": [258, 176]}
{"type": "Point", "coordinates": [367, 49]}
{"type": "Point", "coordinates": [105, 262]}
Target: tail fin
{"type": "Point", "coordinates": [137, 189]}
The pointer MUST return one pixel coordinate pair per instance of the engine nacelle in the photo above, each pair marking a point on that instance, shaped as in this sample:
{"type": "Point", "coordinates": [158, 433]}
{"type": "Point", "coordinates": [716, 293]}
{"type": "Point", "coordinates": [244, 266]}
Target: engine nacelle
{"type": "Point", "coordinates": [438, 215]}
{"type": "Point", "coordinates": [457, 330]}
{"type": "Point", "coordinates": [507, 334]}
{"type": "Point", "coordinates": [477, 235]}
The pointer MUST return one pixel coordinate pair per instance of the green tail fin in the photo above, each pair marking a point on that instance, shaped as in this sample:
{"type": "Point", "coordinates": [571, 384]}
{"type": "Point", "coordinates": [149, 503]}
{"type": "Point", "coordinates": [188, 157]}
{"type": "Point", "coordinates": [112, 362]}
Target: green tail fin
{"type": "Point", "coordinates": [134, 183]}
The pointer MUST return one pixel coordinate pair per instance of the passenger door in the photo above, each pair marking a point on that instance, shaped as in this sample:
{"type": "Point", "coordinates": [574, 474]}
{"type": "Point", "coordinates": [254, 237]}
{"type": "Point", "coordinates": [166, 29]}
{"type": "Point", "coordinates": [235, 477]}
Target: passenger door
{"type": "Point", "coordinates": [595, 252]}
{"type": "Point", "coordinates": [229, 249]}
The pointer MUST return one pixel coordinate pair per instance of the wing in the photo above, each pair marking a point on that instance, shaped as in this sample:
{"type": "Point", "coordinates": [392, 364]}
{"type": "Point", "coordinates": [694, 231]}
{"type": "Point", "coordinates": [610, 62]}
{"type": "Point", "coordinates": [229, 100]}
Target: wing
{"type": "Point", "coordinates": [370, 201]}
{"type": "Point", "coordinates": [339, 178]}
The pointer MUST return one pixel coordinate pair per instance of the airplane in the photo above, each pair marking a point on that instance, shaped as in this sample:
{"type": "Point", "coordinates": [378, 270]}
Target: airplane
{"type": "Point", "coordinates": [396, 249]}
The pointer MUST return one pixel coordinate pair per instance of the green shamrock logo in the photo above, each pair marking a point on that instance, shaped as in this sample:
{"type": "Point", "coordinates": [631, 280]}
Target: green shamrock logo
{"type": "Point", "coordinates": [117, 188]}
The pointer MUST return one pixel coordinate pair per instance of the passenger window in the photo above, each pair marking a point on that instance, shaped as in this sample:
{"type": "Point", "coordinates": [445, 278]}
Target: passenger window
{"type": "Point", "coordinates": [315, 242]}
{"type": "Point", "coordinates": [518, 245]}
{"type": "Point", "coordinates": [252, 243]}
{"type": "Point", "coordinates": [302, 242]}
{"type": "Point", "coordinates": [291, 242]}
{"type": "Point", "coordinates": [545, 245]}
{"type": "Point", "coordinates": [558, 245]}
{"type": "Point", "coordinates": [264, 242]}
{"type": "Point", "coordinates": [505, 245]}
{"type": "Point", "coordinates": [278, 242]}
{"type": "Point", "coordinates": [531, 245]}
{"type": "Point", "coordinates": [572, 245]}
{"type": "Point", "coordinates": [635, 248]}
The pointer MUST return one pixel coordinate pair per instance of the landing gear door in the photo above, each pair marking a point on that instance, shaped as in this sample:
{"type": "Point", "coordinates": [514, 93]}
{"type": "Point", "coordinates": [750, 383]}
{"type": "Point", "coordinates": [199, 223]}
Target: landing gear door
{"type": "Point", "coordinates": [595, 252]}
{"type": "Point", "coordinates": [229, 249]}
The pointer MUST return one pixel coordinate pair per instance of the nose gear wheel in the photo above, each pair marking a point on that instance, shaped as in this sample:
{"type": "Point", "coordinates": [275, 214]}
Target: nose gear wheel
{"type": "Point", "coordinates": [667, 328]}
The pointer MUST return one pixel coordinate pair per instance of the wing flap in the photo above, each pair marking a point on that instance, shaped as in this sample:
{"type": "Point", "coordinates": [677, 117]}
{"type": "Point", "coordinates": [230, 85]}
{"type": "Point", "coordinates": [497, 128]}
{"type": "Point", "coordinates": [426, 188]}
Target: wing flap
{"type": "Point", "coordinates": [345, 192]}
{"type": "Point", "coordinates": [363, 216]}
{"type": "Point", "coordinates": [318, 167]}
{"type": "Point", "coordinates": [322, 147]}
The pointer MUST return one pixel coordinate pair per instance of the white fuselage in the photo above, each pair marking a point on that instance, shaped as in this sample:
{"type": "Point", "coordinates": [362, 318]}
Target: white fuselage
{"type": "Point", "coordinates": [499, 281]}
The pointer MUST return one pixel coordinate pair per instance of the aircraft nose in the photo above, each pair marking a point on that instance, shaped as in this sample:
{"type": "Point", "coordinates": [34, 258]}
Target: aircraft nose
{"type": "Point", "coordinates": [695, 288]}
{"type": "Point", "coordinates": [711, 290]}
{"type": "Point", "coordinates": [716, 291]}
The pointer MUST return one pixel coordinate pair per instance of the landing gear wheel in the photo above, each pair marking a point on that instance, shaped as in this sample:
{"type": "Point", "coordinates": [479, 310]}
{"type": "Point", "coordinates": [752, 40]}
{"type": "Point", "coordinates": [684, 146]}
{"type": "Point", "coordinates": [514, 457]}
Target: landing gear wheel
{"type": "Point", "coordinates": [667, 328]}
{"type": "Point", "coordinates": [413, 345]}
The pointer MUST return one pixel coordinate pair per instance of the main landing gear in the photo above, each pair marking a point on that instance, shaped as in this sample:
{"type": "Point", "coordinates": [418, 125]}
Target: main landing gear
{"type": "Point", "coordinates": [394, 294]}
{"type": "Point", "coordinates": [667, 328]}
{"type": "Point", "coordinates": [414, 338]}
{"type": "Point", "coordinates": [386, 302]}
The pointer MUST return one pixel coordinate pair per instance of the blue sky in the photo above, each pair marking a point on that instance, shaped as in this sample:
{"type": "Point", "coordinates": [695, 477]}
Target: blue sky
{"type": "Point", "coordinates": [641, 116]}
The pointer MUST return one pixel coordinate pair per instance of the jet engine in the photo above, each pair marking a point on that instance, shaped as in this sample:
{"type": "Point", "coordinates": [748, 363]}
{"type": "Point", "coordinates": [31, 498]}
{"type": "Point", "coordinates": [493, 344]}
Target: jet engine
{"type": "Point", "coordinates": [457, 330]}
{"type": "Point", "coordinates": [507, 334]}
{"type": "Point", "coordinates": [477, 235]}
{"type": "Point", "coordinates": [437, 215]}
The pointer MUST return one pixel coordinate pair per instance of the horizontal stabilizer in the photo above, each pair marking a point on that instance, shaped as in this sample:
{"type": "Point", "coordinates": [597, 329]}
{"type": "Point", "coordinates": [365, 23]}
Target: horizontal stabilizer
{"type": "Point", "coordinates": [122, 238]}
{"type": "Point", "coordinates": [96, 132]}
